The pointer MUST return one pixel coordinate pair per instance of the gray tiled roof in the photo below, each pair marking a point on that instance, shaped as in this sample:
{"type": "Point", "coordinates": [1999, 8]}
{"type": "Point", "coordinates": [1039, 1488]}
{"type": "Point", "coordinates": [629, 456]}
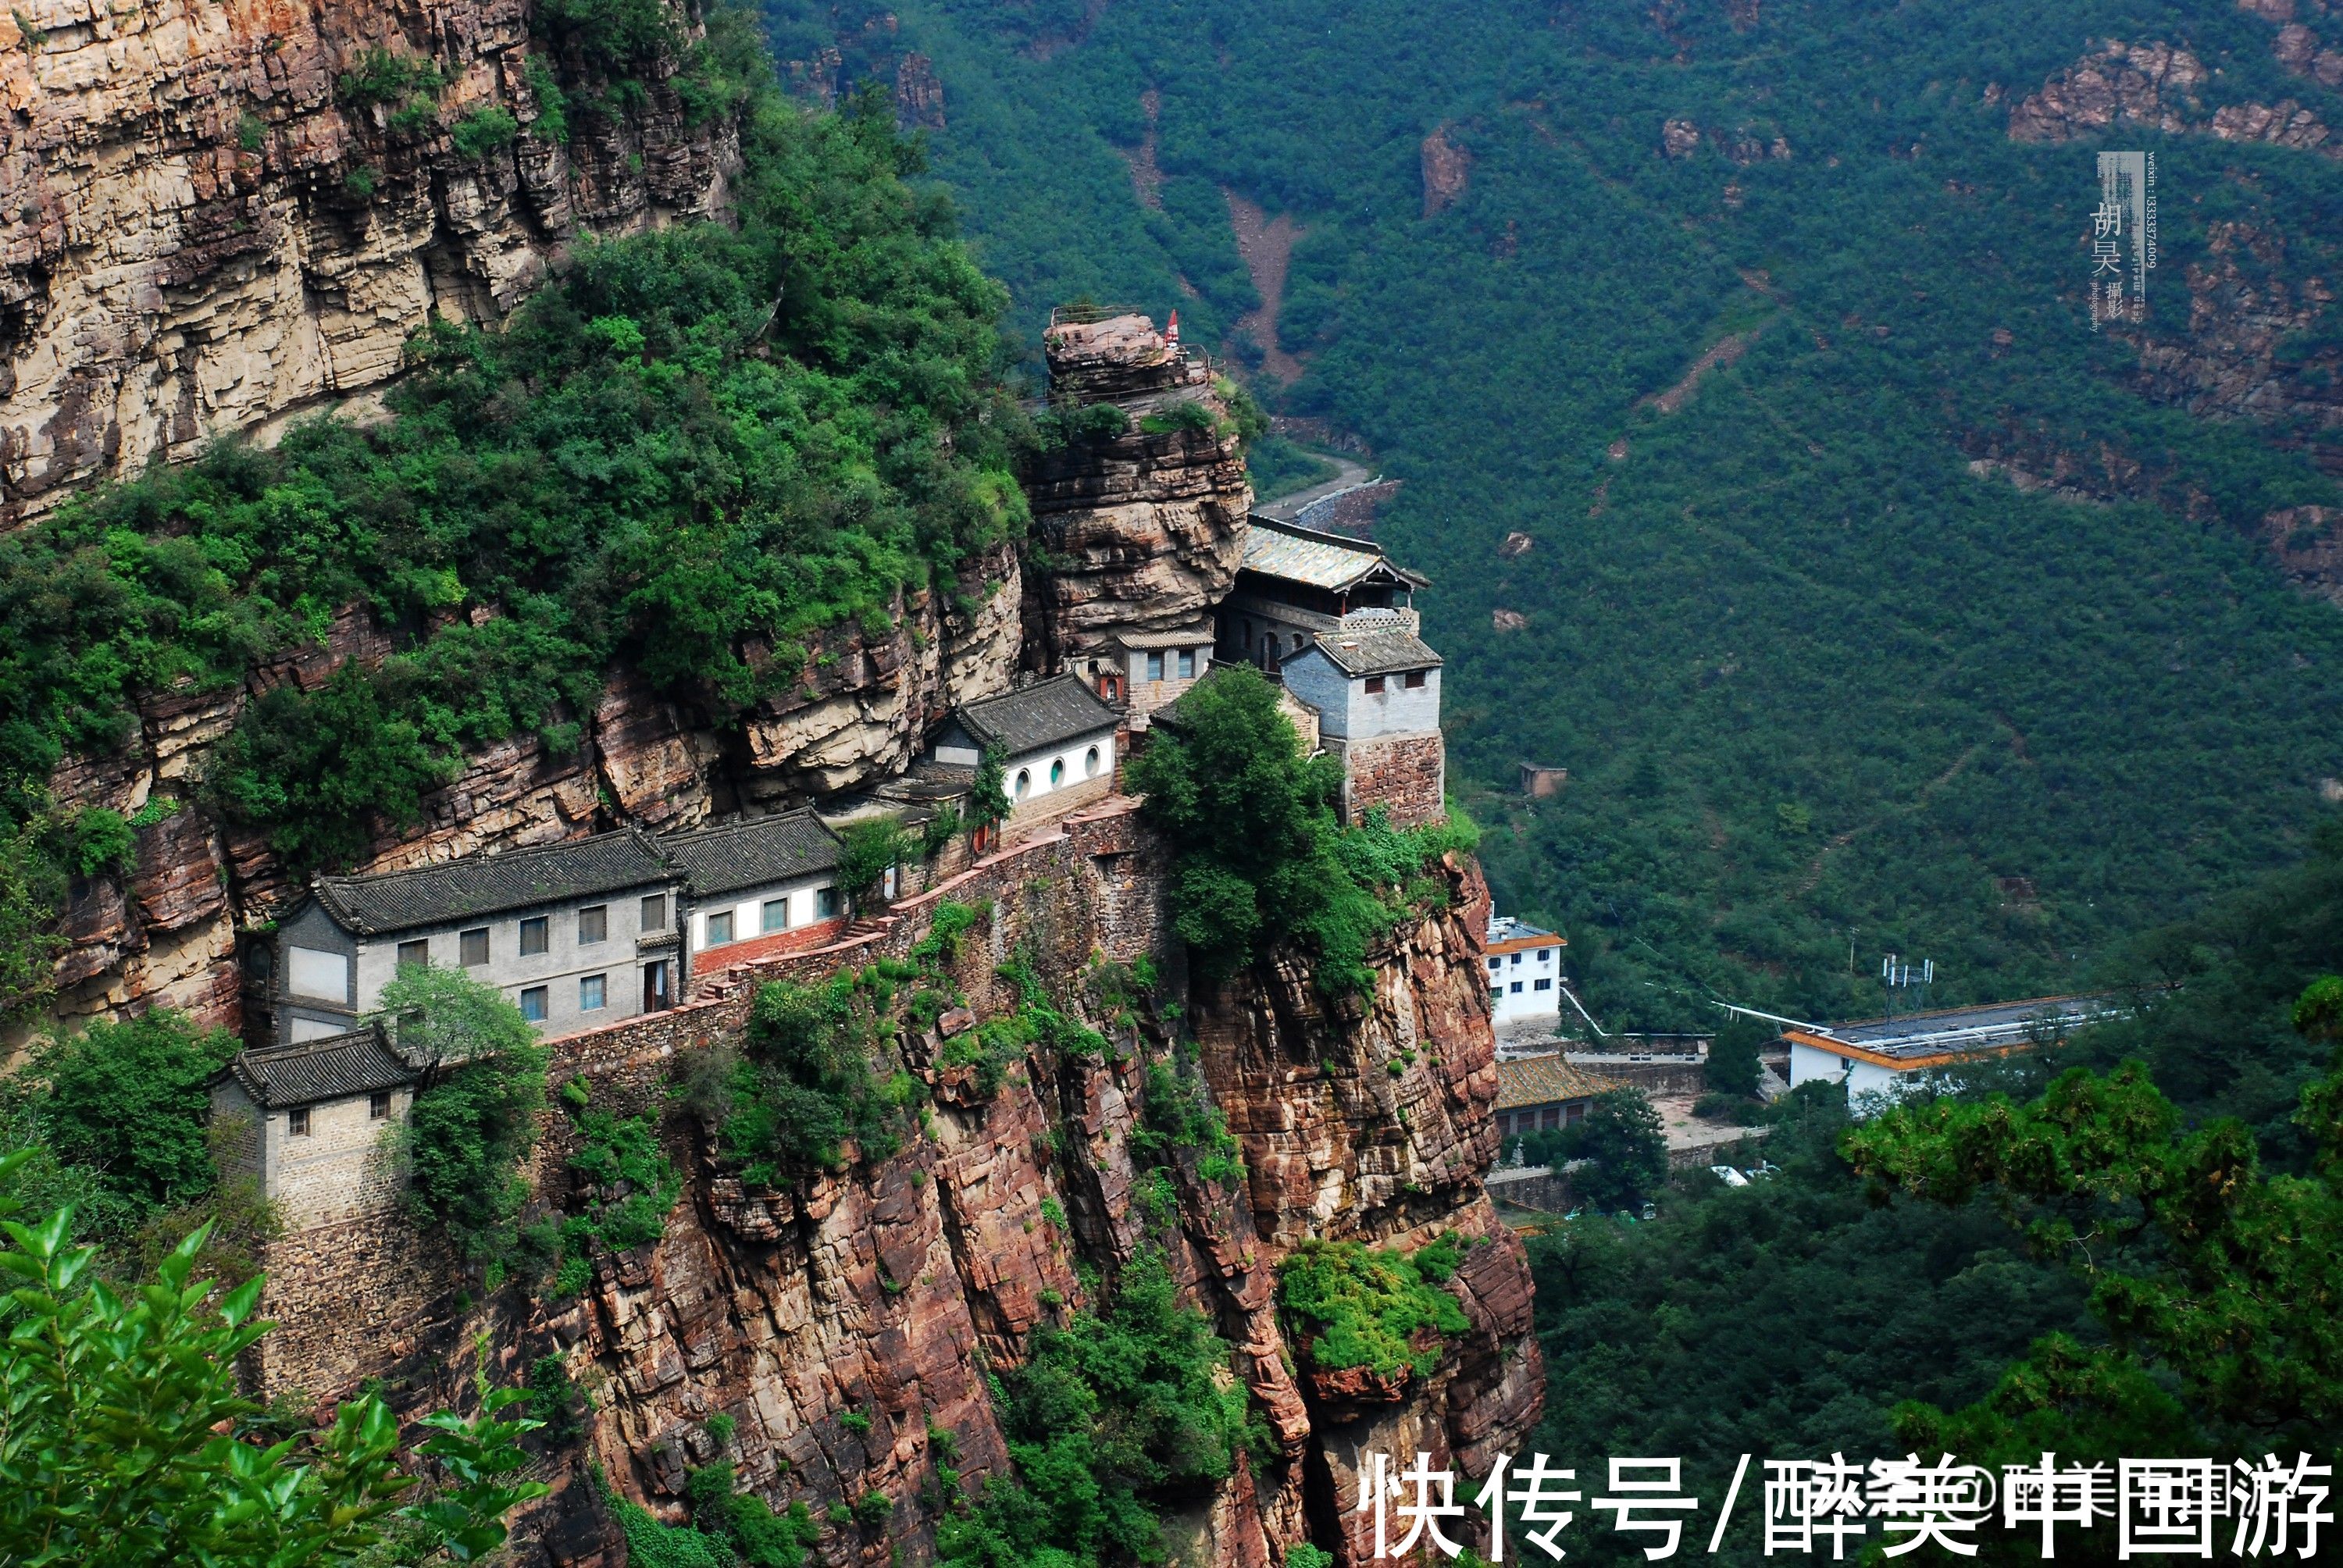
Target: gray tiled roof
{"type": "Point", "coordinates": [754, 853]}
{"type": "Point", "coordinates": [488, 884]}
{"type": "Point", "coordinates": [1377, 652]}
{"type": "Point", "coordinates": [1330, 561]}
{"type": "Point", "coordinates": [313, 1072]}
{"type": "Point", "coordinates": [1047, 713]}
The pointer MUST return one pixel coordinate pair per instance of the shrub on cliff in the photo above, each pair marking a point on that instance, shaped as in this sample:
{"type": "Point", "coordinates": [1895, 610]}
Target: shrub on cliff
{"type": "Point", "coordinates": [1259, 856]}
{"type": "Point", "coordinates": [1359, 1306]}
{"type": "Point", "coordinates": [1118, 1409]}
{"type": "Point", "coordinates": [809, 1083]}
{"type": "Point", "coordinates": [128, 1103]}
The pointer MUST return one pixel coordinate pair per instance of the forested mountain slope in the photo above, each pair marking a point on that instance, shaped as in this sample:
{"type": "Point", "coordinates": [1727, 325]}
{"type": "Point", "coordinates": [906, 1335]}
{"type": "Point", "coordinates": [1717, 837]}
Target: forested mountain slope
{"type": "Point", "coordinates": [1925, 618]}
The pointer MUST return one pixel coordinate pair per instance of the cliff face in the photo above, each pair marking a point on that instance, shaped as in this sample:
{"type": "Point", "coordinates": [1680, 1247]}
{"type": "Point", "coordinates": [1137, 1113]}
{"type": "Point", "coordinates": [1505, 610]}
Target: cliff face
{"type": "Point", "coordinates": [207, 224]}
{"type": "Point", "coordinates": [883, 1293]}
{"type": "Point", "coordinates": [165, 933]}
{"type": "Point", "coordinates": [1135, 532]}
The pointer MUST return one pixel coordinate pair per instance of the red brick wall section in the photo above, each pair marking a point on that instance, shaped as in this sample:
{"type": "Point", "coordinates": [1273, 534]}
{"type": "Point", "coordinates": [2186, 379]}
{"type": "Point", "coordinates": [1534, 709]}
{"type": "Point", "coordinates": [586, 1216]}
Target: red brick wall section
{"type": "Point", "coordinates": [712, 962]}
{"type": "Point", "coordinates": [1405, 774]}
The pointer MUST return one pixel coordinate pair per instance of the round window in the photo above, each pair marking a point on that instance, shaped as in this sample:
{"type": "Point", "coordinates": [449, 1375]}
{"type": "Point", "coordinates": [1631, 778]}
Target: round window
{"type": "Point", "coordinates": [1090, 764]}
{"type": "Point", "coordinates": [1057, 772]}
{"type": "Point", "coordinates": [1024, 782]}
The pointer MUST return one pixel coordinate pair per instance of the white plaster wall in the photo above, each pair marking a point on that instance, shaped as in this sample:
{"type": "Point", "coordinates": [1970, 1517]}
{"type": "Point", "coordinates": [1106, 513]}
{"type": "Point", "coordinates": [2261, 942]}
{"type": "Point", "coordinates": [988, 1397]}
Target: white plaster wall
{"type": "Point", "coordinates": [1544, 963]}
{"type": "Point", "coordinates": [1036, 766]}
{"type": "Point", "coordinates": [748, 910]}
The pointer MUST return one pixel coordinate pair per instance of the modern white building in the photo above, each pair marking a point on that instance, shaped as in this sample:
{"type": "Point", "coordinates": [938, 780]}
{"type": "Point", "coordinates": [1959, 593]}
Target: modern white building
{"type": "Point", "coordinates": [1057, 740]}
{"type": "Point", "coordinates": [1524, 973]}
{"type": "Point", "coordinates": [1880, 1059]}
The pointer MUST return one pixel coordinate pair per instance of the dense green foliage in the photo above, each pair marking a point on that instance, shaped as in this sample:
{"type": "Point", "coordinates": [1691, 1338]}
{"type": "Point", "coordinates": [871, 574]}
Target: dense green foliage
{"type": "Point", "coordinates": [1623, 1147]}
{"type": "Point", "coordinates": [1114, 1410]}
{"type": "Point", "coordinates": [1351, 1305]}
{"type": "Point", "coordinates": [692, 453]}
{"type": "Point", "coordinates": [813, 1089]}
{"type": "Point", "coordinates": [1175, 1113]}
{"type": "Point", "coordinates": [2212, 1279]}
{"type": "Point", "coordinates": [121, 1448]}
{"type": "Point", "coordinates": [1944, 1326]}
{"type": "Point", "coordinates": [1785, 1319]}
{"type": "Point", "coordinates": [126, 1103]}
{"type": "Point", "coordinates": [1813, 680]}
{"type": "Point", "coordinates": [628, 1186]}
{"type": "Point", "coordinates": [473, 1120]}
{"type": "Point", "coordinates": [759, 1537]}
{"type": "Point", "coordinates": [1260, 857]}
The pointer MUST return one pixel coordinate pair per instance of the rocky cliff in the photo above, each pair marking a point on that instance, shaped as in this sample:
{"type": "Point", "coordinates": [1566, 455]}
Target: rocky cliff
{"type": "Point", "coordinates": [165, 933]}
{"type": "Point", "coordinates": [842, 1328]}
{"type": "Point", "coordinates": [1139, 531]}
{"type": "Point", "coordinates": [217, 216]}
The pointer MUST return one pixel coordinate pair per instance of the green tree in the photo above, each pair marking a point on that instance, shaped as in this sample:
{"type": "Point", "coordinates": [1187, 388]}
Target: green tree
{"type": "Point", "coordinates": [867, 851]}
{"type": "Point", "coordinates": [988, 797]}
{"type": "Point", "coordinates": [119, 1451]}
{"type": "Point", "coordinates": [1625, 1149]}
{"type": "Point", "coordinates": [129, 1102]}
{"type": "Point", "coordinates": [1733, 1067]}
{"type": "Point", "coordinates": [475, 1115]}
{"type": "Point", "coordinates": [2212, 1278]}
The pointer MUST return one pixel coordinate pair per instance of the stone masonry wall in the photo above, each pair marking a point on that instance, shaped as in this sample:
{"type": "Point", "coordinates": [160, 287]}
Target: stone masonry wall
{"type": "Point", "coordinates": [841, 1321]}
{"type": "Point", "coordinates": [1405, 774]}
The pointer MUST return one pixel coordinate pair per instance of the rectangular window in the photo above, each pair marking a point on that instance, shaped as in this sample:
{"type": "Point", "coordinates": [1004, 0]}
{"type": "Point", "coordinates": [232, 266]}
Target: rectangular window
{"type": "Point", "coordinates": [533, 932]}
{"type": "Point", "coordinates": [1154, 666]}
{"type": "Point", "coordinates": [775, 915]}
{"type": "Point", "coordinates": [594, 988]}
{"type": "Point", "coordinates": [593, 924]}
{"type": "Point", "coordinates": [1374, 686]}
{"type": "Point", "coordinates": [1497, 964]}
{"type": "Point", "coordinates": [1543, 984]}
{"type": "Point", "coordinates": [473, 948]}
{"type": "Point", "coordinates": [532, 1003]}
{"type": "Point", "coordinates": [378, 1105]}
{"type": "Point", "coordinates": [317, 973]}
{"type": "Point", "coordinates": [298, 1121]}
{"type": "Point", "coordinates": [1187, 664]}
{"type": "Point", "coordinates": [1515, 990]}
{"type": "Point", "coordinates": [1414, 679]}
{"type": "Point", "coordinates": [719, 929]}
{"type": "Point", "coordinates": [1551, 1115]}
{"type": "Point", "coordinates": [825, 903]}
{"type": "Point", "coordinates": [655, 912]}
{"type": "Point", "coordinates": [1517, 961]}
{"type": "Point", "coordinates": [1546, 954]}
{"type": "Point", "coordinates": [414, 955]}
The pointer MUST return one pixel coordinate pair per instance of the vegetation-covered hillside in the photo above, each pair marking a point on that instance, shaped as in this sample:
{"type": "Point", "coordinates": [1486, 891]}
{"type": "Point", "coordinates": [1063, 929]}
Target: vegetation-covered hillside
{"type": "Point", "coordinates": [694, 450]}
{"type": "Point", "coordinates": [1819, 684]}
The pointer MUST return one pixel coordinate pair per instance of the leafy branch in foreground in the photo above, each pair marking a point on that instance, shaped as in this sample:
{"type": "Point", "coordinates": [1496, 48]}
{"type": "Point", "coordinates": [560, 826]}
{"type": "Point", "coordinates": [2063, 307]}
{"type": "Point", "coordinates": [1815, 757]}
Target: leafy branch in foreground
{"type": "Point", "coordinates": [117, 1449]}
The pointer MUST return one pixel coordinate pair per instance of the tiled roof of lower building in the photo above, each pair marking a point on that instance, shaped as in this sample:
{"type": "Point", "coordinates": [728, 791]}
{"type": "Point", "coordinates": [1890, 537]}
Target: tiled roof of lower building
{"type": "Point", "coordinates": [1047, 713]}
{"type": "Point", "coordinates": [488, 884]}
{"type": "Point", "coordinates": [1546, 1081]}
{"type": "Point", "coordinates": [754, 853]}
{"type": "Point", "coordinates": [313, 1072]}
{"type": "Point", "coordinates": [1377, 652]}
